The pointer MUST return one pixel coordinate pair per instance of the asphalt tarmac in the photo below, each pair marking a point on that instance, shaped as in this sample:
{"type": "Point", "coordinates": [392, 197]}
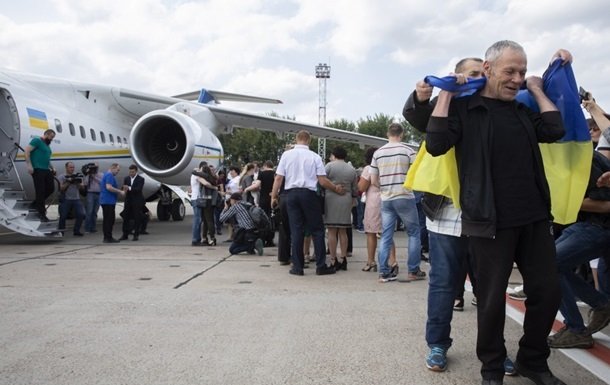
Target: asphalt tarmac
{"type": "Point", "coordinates": [159, 311]}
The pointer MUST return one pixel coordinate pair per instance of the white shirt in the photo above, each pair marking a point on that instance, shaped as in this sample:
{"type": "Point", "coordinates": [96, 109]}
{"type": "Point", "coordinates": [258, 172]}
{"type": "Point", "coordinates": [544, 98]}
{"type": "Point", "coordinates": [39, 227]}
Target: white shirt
{"type": "Point", "coordinates": [195, 186]}
{"type": "Point", "coordinates": [300, 168]}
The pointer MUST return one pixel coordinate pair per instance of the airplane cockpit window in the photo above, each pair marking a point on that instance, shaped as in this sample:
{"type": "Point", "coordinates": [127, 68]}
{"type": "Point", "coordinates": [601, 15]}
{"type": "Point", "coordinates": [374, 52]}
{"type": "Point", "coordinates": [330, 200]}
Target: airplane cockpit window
{"type": "Point", "coordinates": [58, 127]}
{"type": "Point", "coordinates": [72, 130]}
{"type": "Point", "coordinates": [111, 138]}
{"type": "Point", "coordinates": [102, 137]}
{"type": "Point", "coordinates": [118, 140]}
{"type": "Point", "coordinates": [83, 134]}
{"type": "Point", "coordinates": [92, 131]}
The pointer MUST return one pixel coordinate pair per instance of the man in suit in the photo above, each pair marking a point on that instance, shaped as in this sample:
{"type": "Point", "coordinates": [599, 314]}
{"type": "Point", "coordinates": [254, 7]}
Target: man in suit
{"type": "Point", "coordinates": [134, 203]}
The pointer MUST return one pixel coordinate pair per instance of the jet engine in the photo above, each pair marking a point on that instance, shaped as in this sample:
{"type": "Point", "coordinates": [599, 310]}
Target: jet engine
{"type": "Point", "coordinates": [163, 144]}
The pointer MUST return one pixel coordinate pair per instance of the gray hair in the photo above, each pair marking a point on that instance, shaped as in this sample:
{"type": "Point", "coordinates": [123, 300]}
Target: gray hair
{"type": "Point", "coordinates": [495, 51]}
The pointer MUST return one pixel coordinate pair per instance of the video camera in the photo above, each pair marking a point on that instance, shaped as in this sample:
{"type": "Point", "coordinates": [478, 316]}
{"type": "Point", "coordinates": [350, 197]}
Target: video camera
{"type": "Point", "coordinates": [75, 178]}
{"type": "Point", "coordinates": [89, 169]}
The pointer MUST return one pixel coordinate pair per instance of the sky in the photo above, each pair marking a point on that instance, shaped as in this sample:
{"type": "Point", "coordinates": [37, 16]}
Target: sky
{"type": "Point", "coordinates": [377, 50]}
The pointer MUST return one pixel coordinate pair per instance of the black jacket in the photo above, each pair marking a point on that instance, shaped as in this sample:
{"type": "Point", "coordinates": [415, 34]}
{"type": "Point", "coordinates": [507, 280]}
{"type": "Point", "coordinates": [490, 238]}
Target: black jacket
{"type": "Point", "coordinates": [469, 129]}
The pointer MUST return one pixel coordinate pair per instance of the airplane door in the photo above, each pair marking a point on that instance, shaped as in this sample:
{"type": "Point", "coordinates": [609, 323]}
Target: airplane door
{"type": "Point", "coordinates": [9, 136]}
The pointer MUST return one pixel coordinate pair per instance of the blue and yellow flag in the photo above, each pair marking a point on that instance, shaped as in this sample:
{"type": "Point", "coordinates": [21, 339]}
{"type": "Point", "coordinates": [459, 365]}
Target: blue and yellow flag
{"type": "Point", "coordinates": [38, 119]}
{"type": "Point", "coordinates": [567, 162]}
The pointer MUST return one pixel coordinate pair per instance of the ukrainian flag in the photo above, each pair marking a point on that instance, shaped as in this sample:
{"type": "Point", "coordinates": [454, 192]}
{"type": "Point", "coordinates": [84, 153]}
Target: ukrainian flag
{"type": "Point", "coordinates": [567, 163]}
{"type": "Point", "coordinates": [38, 119]}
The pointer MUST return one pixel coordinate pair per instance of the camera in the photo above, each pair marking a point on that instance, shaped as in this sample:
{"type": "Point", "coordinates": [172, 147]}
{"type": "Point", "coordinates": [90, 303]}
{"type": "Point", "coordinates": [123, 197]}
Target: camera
{"type": "Point", "coordinates": [89, 168]}
{"type": "Point", "coordinates": [75, 178]}
{"type": "Point", "coordinates": [584, 95]}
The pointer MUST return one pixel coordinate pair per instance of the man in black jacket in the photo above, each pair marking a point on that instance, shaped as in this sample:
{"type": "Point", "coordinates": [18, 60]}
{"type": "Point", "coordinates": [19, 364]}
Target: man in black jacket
{"type": "Point", "coordinates": [134, 203]}
{"type": "Point", "coordinates": [505, 203]}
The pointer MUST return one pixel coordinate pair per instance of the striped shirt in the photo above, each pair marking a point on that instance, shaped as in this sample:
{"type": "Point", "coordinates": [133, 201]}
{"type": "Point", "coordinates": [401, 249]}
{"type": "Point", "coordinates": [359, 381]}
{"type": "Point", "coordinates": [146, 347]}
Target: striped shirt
{"type": "Point", "coordinates": [242, 216]}
{"type": "Point", "coordinates": [391, 162]}
{"type": "Point", "coordinates": [448, 220]}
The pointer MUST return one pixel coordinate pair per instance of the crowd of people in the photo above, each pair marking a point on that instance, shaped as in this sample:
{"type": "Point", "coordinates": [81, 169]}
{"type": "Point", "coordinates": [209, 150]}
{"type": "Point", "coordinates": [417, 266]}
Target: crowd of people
{"type": "Point", "coordinates": [503, 218]}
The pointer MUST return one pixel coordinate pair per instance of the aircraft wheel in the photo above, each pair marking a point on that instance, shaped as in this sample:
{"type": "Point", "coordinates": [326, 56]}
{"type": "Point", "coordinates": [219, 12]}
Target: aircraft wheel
{"type": "Point", "coordinates": [178, 210]}
{"type": "Point", "coordinates": [163, 212]}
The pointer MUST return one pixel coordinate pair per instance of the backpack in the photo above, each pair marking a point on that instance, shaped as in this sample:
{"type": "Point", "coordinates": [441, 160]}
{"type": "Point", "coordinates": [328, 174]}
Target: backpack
{"type": "Point", "coordinates": [260, 218]}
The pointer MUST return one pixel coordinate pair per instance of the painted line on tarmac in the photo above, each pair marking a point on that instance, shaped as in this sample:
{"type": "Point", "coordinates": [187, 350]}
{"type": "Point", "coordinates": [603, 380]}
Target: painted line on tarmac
{"type": "Point", "coordinates": [596, 360]}
{"type": "Point", "coordinates": [48, 255]}
{"type": "Point", "coordinates": [178, 286]}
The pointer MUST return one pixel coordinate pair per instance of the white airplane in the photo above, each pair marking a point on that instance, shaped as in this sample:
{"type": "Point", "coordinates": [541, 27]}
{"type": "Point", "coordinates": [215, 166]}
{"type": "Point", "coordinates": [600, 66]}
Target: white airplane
{"type": "Point", "coordinates": [165, 136]}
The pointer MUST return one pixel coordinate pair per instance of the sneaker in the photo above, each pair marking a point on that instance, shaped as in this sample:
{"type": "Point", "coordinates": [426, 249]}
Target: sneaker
{"type": "Point", "coordinates": [598, 318]}
{"type": "Point", "coordinates": [416, 275]}
{"type": "Point", "coordinates": [509, 367]}
{"type": "Point", "coordinates": [258, 246]}
{"type": "Point", "coordinates": [474, 301]}
{"type": "Point", "coordinates": [518, 295]}
{"type": "Point", "coordinates": [383, 278]}
{"type": "Point", "coordinates": [567, 338]}
{"type": "Point", "coordinates": [458, 304]}
{"type": "Point", "coordinates": [436, 360]}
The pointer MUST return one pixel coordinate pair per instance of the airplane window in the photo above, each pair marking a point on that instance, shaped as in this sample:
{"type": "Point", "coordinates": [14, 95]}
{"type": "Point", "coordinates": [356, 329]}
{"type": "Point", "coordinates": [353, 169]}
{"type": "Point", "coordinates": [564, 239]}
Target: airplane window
{"type": "Point", "coordinates": [110, 138]}
{"type": "Point", "coordinates": [118, 140]}
{"type": "Point", "coordinates": [72, 130]}
{"type": "Point", "coordinates": [125, 140]}
{"type": "Point", "coordinates": [58, 127]}
{"type": "Point", "coordinates": [82, 131]}
{"type": "Point", "coordinates": [102, 137]}
{"type": "Point", "coordinates": [92, 134]}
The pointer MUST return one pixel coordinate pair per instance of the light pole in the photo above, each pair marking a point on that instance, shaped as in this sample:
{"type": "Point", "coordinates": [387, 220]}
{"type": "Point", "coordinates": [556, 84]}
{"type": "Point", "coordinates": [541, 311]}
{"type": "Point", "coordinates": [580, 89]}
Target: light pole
{"type": "Point", "coordinates": [322, 73]}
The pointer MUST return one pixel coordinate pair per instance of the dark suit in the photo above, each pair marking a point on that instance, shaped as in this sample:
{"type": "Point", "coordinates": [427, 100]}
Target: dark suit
{"type": "Point", "coordinates": [134, 205]}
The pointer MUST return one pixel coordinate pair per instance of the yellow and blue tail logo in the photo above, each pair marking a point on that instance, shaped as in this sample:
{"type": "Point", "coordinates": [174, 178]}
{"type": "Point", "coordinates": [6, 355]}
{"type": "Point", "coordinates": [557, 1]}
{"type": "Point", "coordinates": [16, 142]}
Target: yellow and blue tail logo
{"type": "Point", "coordinates": [37, 119]}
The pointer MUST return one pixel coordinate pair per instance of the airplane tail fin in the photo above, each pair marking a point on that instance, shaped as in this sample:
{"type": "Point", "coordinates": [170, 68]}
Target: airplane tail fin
{"type": "Point", "coordinates": [206, 96]}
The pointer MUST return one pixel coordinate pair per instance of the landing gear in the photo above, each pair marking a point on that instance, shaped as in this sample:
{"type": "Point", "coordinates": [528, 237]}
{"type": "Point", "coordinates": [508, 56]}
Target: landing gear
{"type": "Point", "coordinates": [163, 212]}
{"type": "Point", "coordinates": [169, 207]}
{"type": "Point", "coordinates": [178, 210]}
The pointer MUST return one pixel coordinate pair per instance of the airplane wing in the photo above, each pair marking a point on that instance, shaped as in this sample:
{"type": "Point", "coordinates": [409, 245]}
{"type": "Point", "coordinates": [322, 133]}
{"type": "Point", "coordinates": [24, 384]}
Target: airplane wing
{"type": "Point", "coordinates": [235, 118]}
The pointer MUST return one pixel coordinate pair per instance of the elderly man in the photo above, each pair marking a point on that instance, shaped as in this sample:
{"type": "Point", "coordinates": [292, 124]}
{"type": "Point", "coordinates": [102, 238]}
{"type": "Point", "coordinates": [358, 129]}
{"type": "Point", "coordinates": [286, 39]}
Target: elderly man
{"type": "Point", "coordinates": [505, 203]}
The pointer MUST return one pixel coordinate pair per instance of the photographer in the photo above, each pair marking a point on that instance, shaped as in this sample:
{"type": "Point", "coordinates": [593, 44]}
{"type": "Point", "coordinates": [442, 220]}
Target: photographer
{"type": "Point", "coordinates": [246, 236]}
{"type": "Point", "coordinates": [92, 180]}
{"type": "Point", "coordinates": [70, 186]}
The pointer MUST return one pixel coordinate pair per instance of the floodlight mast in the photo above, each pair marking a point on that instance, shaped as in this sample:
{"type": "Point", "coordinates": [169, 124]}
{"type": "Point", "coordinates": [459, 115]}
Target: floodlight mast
{"type": "Point", "coordinates": [322, 73]}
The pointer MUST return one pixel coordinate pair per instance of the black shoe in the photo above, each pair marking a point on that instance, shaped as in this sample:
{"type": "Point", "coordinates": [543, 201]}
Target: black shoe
{"type": "Point", "coordinates": [212, 242]}
{"type": "Point", "coordinates": [284, 263]}
{"type": "Point", "coordinates": [78, 234]}
{"type": "Point", "coordinates": [492, 382]}
{"type": "Point", "coordinates": [342, 265]}
{"type": "Point", "coordinates": [325, 270]}
{"type": "Point", "coordinates": [144, 232]}
{"type": "Point", "coordinates": [296, 272]}
{"type": "Point", "coordinates": [124, 237]}
{"type": "Point", "coordinates": [135, 238]}
{"type": "Point", "coordinates": [196, 244]}
{"type": "Point", "coordinates": [43, 218]}
{"type": "Point", "coordinates": [539, 378]}
{"type": "Point", "coordinates": [111, 240]}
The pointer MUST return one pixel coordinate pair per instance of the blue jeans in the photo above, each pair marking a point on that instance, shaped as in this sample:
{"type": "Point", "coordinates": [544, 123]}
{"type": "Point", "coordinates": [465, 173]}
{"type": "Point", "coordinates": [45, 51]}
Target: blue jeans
{"type": "Point", "coordinates": [196, 223]}
{"type": "Point", "coordinates": [446, 255]}
{"type": "Point", "coordinates": [579, 243]}
{"type": "Point", "coordinates": [406, 210]}
{"type": "Point", "coordinates": [79, 213]}
{"type": "Point", "coordinates": [93, 205]}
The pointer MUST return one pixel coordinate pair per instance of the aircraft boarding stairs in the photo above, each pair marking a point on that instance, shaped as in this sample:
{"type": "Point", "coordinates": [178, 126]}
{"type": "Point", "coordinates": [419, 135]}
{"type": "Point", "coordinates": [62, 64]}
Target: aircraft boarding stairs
{"type": "Point", "coordinates": [15, 212]}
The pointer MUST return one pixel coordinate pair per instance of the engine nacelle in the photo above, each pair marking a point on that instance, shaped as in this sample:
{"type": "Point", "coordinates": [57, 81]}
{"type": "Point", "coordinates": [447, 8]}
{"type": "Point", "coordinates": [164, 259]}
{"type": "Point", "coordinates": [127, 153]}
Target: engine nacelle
{"type": "Point", "coordinates": [163, 144]}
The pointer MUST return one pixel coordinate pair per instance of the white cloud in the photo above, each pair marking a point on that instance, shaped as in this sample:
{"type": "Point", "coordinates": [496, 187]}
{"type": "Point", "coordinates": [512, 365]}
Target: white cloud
{"type": "Point", "coordinates": [378, 50]}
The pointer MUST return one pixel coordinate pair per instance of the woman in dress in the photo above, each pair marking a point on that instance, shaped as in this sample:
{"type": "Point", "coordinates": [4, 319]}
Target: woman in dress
{"type": "Point", "coordinates": [372, 215]}
{"type": "Point", "coordinates": [338, 208]}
